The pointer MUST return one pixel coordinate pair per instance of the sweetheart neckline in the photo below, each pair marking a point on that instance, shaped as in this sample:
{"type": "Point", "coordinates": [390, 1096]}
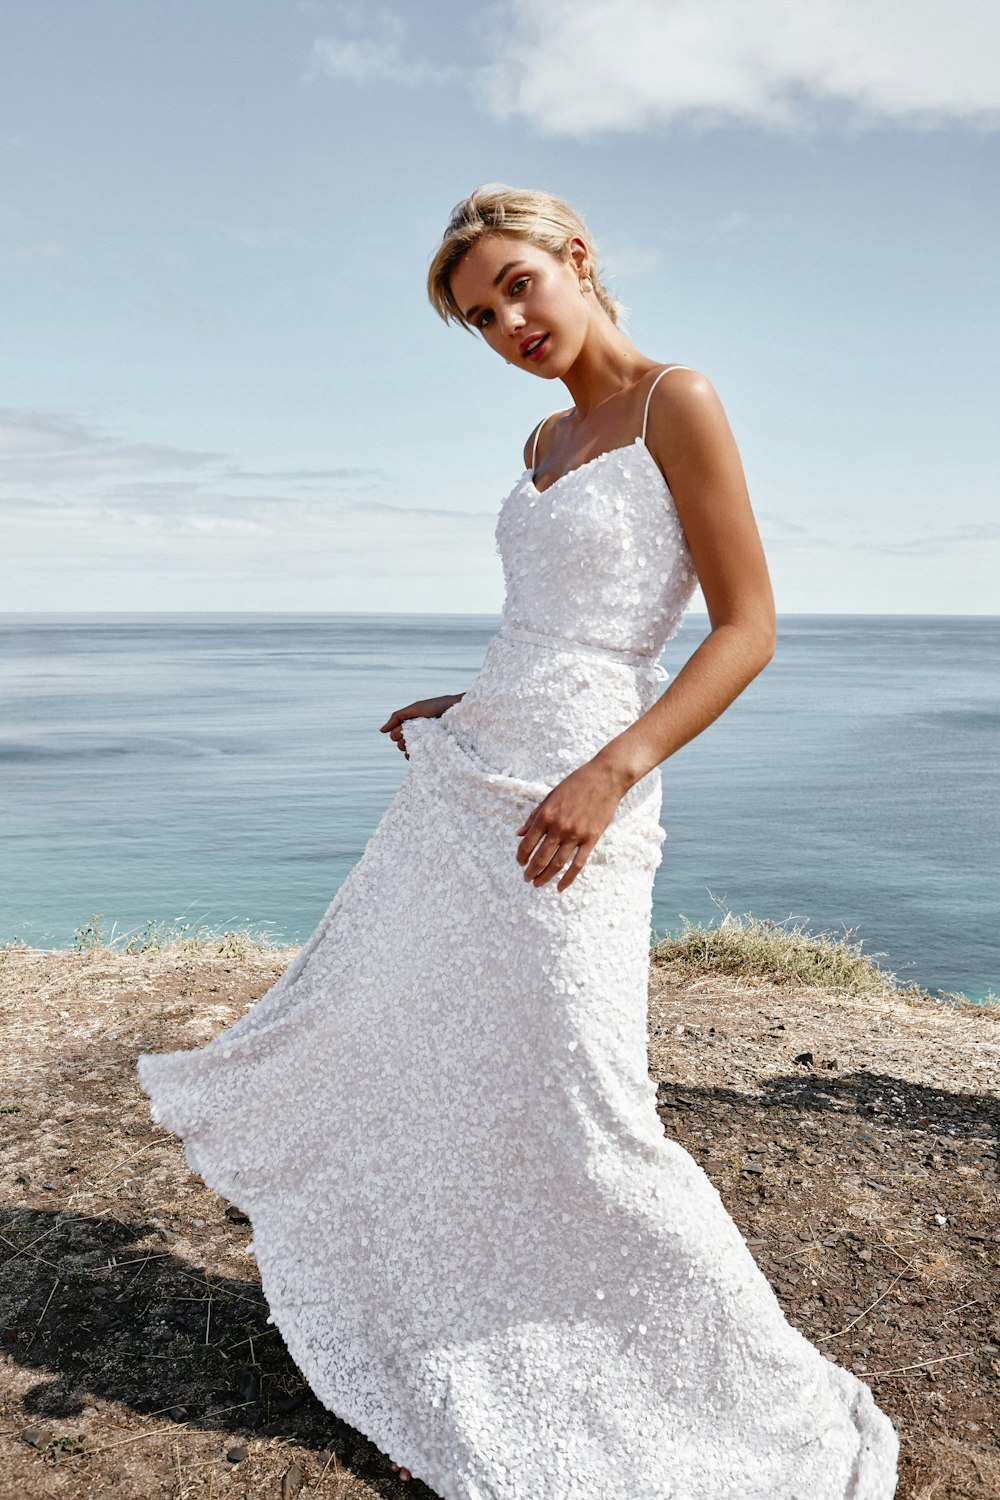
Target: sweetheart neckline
{"type": "Point", "coordinates": [621, 448]}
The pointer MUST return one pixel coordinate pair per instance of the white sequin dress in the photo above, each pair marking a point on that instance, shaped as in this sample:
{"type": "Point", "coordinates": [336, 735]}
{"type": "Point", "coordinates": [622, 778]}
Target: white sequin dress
{"type": "Point", "coordinates": [478, 1244]}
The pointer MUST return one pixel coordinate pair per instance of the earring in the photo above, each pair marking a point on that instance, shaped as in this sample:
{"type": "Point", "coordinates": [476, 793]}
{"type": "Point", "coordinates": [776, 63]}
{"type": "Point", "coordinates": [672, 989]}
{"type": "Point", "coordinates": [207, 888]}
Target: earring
{"type": "Point", "coordinates": [586, 285]}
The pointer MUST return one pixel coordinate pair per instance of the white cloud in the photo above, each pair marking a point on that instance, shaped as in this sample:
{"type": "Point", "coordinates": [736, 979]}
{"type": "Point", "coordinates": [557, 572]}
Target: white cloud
{"type": "Point", "coordinates": [782, 534]}
{"type": "Point", "coordinates": [53, 463]}
{"type": "Point", "coordinates": [50, 456]}
{"type": "Point", "coordinates": [301, 478]}
{"type": "Point", "coordinates": [43, 250]}
{"type": "Point", "coordinates": [91, 522]}
{"type": "Point", "coordinates": [360, 59]}
{"type": "Point", "coordinates": [631, 260]}
{"type": "Point", "coordinates": [32, 432]}
{"type": "Point", "coordinates": [776, 523]}
{"type": "Point", "coordinates": [971, 532]}
{"type": "Point", "coordinates": [577, 67]}
{"type": "Point", "coordinates": [49, 452]}
{"type": "Point", "coordinates": [732, 223]}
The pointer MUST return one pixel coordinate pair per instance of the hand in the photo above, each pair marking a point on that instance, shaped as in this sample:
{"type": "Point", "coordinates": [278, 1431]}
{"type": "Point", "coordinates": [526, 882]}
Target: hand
{"type": "Point", "coordinates": [425, 708]}
{"type": "Point", "coordinates": [563, 829]}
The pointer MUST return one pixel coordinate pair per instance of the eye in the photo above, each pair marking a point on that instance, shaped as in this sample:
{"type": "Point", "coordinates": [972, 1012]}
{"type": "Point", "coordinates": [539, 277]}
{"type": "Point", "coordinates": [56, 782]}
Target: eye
{"type": "Point", "coordinates": [479, 320]}
{"type": "Point", "coordinates": [521, 281]}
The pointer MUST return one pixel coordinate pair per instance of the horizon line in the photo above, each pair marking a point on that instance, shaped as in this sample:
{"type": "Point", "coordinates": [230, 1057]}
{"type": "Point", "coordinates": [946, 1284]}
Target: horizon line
{"type": "Point", "coordinates": [322, 614]}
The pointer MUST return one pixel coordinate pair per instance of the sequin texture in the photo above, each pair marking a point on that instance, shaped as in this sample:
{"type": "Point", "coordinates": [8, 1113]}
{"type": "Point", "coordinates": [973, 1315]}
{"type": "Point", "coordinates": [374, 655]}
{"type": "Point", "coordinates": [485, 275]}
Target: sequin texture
{"type": "Point", "coordinates": [472, 1233]}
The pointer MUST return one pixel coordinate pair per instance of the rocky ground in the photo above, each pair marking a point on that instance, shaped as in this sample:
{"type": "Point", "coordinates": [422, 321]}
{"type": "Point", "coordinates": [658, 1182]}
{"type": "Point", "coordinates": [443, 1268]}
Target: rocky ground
{"type": "Point", "coordinates": [853, 1139]}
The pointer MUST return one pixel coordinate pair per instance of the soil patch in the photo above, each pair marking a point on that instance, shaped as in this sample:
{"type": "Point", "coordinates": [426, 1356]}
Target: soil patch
{"type": "Point", "coordinates": [854, 1141]}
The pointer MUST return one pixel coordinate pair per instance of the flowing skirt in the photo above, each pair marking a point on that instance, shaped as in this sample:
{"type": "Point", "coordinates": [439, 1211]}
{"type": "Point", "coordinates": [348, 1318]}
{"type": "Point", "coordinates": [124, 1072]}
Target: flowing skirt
{"type": "Point", "coordinates": [479, 1246]}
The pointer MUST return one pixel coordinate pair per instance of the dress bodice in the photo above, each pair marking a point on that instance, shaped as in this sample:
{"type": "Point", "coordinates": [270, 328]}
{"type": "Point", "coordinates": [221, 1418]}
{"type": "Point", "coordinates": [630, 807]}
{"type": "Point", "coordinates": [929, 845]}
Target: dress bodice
{"type": "Point", "coordinates": [598, 557]}
{"type": "Point", "coordinates": [598, 574]}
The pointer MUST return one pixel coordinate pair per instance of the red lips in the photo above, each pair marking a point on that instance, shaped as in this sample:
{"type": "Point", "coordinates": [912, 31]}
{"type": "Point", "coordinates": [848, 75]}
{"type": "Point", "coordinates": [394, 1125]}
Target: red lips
{"type": "Point", "coordinates": [525, 344]}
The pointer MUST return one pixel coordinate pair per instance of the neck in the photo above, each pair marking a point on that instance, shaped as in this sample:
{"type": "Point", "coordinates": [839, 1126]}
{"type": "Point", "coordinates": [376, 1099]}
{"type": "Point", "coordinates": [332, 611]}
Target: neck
{"type": "Point", "coordinates": [608, 364]}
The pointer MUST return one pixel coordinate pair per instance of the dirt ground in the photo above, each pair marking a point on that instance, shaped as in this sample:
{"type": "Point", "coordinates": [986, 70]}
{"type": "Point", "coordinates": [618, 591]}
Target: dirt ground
{"type": "Point", "coordinates": [853, 1140]}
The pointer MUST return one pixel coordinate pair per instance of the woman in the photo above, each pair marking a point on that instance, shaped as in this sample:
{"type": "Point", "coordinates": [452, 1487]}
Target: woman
{"type": "Point", "coordinates": [476, 1240]}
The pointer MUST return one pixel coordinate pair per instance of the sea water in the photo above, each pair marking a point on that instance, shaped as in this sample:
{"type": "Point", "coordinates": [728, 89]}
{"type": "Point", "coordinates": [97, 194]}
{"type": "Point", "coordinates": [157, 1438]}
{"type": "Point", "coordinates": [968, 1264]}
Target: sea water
{"type": "Point", "coordinates": [225, 770]}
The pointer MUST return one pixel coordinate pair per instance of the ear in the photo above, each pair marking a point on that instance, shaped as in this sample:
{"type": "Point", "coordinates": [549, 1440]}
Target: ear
{"type": "Point", "coordinates": [578, 255]}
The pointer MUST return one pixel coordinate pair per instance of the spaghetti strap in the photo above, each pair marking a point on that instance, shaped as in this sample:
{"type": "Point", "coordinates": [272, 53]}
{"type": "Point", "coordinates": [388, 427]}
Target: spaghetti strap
{"type": "Point", "coordinates": [652, 388]}
{"type": "Point", "coordinates": [534, 446]}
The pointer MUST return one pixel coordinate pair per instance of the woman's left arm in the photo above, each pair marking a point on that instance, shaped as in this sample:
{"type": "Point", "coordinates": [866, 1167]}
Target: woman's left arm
{"type": "Point", "coordinates": [690, 438]}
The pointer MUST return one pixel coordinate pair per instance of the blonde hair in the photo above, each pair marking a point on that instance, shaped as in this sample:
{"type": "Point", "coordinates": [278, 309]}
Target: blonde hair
{"type": "Point", "coordinates": [495, 208]}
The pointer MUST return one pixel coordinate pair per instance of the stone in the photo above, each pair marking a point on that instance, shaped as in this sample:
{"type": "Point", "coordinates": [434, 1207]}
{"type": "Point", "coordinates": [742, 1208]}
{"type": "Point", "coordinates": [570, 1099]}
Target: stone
{"type": "Point", "coordinates": [291, 1481]}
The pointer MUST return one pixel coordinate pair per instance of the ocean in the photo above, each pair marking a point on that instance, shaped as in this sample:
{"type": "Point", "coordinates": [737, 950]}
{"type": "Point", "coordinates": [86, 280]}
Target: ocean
{"type": "Point", "coordinates": [225, 770]}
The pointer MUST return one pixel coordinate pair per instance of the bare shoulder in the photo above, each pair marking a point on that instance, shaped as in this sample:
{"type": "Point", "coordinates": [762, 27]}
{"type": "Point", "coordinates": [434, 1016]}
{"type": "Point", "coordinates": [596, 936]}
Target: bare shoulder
{"type": "Point", "coordinates": [686, 422]}
{"type": "Point", "coordinates": [682, 391]}
{"type": "Point", "coordinates": [545, 429]}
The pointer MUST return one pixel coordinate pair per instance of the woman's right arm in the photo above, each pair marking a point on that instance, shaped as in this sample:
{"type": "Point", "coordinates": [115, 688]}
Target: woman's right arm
{"type": "Point", "coordinates": [424, 708]}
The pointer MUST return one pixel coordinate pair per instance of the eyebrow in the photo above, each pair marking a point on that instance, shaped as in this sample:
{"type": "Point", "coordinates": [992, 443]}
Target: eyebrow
{"type": "Point", "coordinates": [471, 313]}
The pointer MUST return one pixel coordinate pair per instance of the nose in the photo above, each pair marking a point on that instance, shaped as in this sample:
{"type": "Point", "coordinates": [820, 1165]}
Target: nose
{"type": "Point", "coordinates": [510, 320]}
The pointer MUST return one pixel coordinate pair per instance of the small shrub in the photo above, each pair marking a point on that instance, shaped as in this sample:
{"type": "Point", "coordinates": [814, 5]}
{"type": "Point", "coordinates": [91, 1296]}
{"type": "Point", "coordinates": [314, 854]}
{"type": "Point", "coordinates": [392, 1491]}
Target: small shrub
{"type": "Point", "coordinates": [142, 942]}
{"type": "Point", "coordinates": [91, 935]}
{"type": "Point", "coordinates": [759, 948]}
{"type": "Point", "coordinates": [176, 938]}
{"type": "Point", "coordinates": [234, 944]}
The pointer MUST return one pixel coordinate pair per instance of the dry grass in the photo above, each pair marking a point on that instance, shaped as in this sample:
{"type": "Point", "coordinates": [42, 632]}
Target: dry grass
{"type": "Point", "coordinates": [751, 947]}
{"type": "Point", "coordinates": [176, 939]}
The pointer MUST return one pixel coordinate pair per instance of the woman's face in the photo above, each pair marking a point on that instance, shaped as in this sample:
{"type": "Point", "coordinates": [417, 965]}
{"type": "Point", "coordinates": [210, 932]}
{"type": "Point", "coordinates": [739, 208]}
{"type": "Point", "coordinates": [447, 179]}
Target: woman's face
{"type": "Point", "coordinates": [514, 293]}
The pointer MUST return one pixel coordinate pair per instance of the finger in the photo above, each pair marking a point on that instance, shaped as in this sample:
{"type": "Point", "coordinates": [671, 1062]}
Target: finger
{"type": "Point", "coordinates": [580, 859]}
{"type": "Point", "coordinates": [560, 858]}
{"type": "Point", "coordinates": [527, 822]}
{"type": "Point", "coordinates": [532, 820]}
{"type": "Point", "coordinates": [536, 834]}
{"type": "Point", "coordinates": [534, 829]}
{"type": "Point", "coordinates": [396, 735]}
{"type": "Point", "coordinates": [544, 853]}
{"type": "Point", "coordinates": [397, 716]}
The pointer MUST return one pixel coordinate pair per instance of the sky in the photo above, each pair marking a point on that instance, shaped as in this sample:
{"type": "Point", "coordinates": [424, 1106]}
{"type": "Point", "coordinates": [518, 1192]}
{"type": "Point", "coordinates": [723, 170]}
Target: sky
{"type": "Point", "coordinates": [224, 388]}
